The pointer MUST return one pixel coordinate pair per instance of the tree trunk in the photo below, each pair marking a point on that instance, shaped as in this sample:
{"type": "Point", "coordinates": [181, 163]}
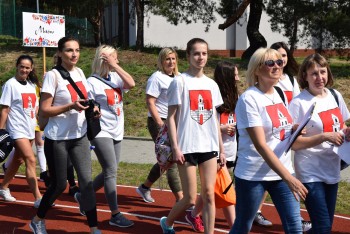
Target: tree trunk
{"type": "Point", "coordinates": [233, 19]}
{"type": "Point", "coordinates": [255, 38]}
{"type": "Point", "coordinates": [294, 40]}
{"type": "Point", "coordinates": [140, 19]}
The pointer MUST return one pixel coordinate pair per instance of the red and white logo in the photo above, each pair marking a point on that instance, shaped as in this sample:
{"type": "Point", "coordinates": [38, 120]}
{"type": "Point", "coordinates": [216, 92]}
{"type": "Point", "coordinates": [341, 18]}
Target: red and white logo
{"type": "Point", "coordinates": [29, 101]}
{"type": "Point", "coordinates": [332, 120]}
{"type": "Point", "coordinates": [282, 122]}
{"type": "Point", "coordinates": [114, 100]}
{"type": "Point", "coordinates": [201, 105]}
{"type": "Point", "coordinates": [228, 118]}
{"type": "Point", "coordinates": [74, 95]}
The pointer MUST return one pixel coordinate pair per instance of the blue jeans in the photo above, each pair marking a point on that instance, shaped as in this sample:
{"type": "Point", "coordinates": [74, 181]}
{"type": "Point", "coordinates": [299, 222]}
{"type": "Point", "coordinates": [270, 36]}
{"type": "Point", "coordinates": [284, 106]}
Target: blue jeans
{"type": "Point", "coordinates": [320, 203]}
{"type": "Point", "coordinates": [248, 197]}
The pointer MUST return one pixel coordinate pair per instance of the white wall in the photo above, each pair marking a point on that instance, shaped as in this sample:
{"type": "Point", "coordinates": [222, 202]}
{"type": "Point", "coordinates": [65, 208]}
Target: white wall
{"type": "Point", "coordinates": [159, 32]}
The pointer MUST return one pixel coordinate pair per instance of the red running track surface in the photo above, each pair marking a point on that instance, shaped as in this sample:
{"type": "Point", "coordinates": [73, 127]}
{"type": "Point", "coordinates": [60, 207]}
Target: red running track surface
{"type": "Point", "coordinates": [65, 216]}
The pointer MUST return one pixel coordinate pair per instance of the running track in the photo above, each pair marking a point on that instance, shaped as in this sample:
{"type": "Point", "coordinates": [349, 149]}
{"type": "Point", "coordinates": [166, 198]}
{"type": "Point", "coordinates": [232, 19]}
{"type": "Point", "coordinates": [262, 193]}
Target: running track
{"type": "Point", "coordinates": [65, 216]}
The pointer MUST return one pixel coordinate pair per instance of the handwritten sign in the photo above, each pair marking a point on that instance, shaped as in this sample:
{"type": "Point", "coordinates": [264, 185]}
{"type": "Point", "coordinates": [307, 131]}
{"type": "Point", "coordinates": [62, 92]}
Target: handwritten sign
{"type": "Point", "coordinates": [42, 30]}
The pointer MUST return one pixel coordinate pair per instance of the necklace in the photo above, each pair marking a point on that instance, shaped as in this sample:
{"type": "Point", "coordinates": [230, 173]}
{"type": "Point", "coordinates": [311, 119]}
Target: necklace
{"type": "Point", "coordinates": [271, 99]}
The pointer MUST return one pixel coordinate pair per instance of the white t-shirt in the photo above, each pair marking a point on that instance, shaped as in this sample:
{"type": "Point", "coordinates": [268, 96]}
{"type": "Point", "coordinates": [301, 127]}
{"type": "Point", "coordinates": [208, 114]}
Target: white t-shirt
{"type": "Point", "coordinates": [22, 100]}
{"type": "Point", "coordinates": [319, 163]}
{"type": "Point", "coordinates": [157, 86]}
{"type": "Point", "coordinates": [288, 88]}
{"type": "Point", "coordinates": [71, 124]}
{"type": "Point", "coordinates": [255, 109]}
{"type": "Point", "coordinates": [229, 141]}
{"type": "Point", "coordinates": [111, 101]}
{"type": "Point", "coordinates": [197, 128]}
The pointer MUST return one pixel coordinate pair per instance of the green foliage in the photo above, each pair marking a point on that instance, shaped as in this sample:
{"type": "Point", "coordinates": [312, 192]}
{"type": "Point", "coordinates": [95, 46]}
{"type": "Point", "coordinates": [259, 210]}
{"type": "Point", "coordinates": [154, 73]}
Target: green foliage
{"type": "Point", "coordinates": [189, 11]}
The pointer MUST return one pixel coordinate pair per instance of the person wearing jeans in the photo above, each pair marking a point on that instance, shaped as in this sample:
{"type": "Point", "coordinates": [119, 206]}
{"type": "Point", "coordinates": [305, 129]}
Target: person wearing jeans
{"type": "Point", "coordinates": [316, 164]}
{"type": "Point", "coordinates": [263, 121]}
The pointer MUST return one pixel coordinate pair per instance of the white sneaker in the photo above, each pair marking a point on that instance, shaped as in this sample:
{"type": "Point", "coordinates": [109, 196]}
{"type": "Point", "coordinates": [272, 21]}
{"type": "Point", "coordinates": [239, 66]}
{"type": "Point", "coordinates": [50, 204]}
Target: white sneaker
{"type": "Point", "coordinates": [145, 194]}
{"type": "Point", "coordinates": [306, 225]}
{"type": "Point", "coordinates": [39, 227]}
{"type": "Point", "coordinates": [261, 220]}
{"type": "Point", "coordinates": [37, 203]}
{"type": "Point", "coordinates": [6, 195]}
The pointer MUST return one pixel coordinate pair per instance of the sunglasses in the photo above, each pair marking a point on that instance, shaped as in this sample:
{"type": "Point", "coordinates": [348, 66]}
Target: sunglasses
{"type": "Point", "coordinates": [271, 63]}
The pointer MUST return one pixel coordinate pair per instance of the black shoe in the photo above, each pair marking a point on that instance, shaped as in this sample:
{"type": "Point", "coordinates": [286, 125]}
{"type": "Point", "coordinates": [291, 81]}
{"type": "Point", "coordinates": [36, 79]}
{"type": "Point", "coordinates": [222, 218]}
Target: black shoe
{"type": "Point", "coordinates": [46, 178]}
{"type": "Point", "coordinates": [73, 189]}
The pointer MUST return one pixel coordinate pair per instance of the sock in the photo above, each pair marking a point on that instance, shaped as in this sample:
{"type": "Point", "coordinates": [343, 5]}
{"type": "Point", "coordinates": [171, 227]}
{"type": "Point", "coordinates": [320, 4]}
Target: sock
{"type": "Point", "coordinates": [41, 157]}
{"type": "Point", "coordinates": [114, 215]}
{"type": "Point", "coordinates": [144, 187]}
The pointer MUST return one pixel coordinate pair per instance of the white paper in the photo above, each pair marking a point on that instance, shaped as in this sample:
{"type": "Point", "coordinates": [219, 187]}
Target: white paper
{"type": "Point", "coordinates": [343, 151]}
{"type": "Point", "coordinates": [285, 145]}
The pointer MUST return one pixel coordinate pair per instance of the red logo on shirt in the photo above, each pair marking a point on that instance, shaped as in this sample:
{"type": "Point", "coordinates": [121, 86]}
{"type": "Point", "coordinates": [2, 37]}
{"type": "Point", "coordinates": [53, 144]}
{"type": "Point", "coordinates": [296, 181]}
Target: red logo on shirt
{"type": "Point", "coordinates": [114, 100]}
{"type": "Point", "coordinates": [289, 95]}
{"type": "Point", "coordinates": [74, 94]}
{"type": "Point", "coordinates": [228, 118]}
{"type": "Point", "coordinates": [281, 120]}
{"type": "Point", "coordinates": [332, 120]}
{"type": "Point", "coordinates": [29, 101]}
{"type": "Point", "coordinates": [201, 105]}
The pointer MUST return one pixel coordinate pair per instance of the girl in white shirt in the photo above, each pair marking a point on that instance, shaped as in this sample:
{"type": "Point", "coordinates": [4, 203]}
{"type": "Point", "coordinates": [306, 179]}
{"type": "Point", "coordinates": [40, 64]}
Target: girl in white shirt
{"type": "Point", "coordinates": [18, 116]}
{"type": "Point", "coordinates": [194, 133]}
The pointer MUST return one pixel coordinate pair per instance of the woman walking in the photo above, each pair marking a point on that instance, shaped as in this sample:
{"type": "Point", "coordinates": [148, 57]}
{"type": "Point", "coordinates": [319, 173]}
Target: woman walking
{"type": "Point", "coordinates": [195, 135]}
{"type": "Point", "coordinates": [65, 134]}
{"type": "Point", "coordinates": [157, 103]}
{"type": "Point", "coordinates": [19, 106]}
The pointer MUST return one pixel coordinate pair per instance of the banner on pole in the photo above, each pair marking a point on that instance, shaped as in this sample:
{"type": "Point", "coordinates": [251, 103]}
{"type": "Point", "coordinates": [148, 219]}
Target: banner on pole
{"type": "Point", "coordinates": [42, 30]}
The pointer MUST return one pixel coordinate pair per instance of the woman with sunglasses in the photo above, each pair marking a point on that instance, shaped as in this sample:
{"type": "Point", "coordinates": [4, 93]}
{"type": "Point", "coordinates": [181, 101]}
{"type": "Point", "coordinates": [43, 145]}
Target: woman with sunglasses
{"type": "Point", "coordinates": [263, 121]}
{"type": "Point", "coordinates": [316, 165]}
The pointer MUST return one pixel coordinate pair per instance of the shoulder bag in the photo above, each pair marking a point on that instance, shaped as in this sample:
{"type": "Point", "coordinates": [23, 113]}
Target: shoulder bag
{"type": "Point", "coordinates": [93, 124]}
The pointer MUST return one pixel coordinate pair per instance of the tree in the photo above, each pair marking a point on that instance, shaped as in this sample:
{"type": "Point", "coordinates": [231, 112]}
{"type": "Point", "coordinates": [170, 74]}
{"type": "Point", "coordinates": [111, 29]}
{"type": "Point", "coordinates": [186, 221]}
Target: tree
{"type": "Point", "coordinates": [188, 11]}
{"type": "Point", "coordinates": [256, 39]}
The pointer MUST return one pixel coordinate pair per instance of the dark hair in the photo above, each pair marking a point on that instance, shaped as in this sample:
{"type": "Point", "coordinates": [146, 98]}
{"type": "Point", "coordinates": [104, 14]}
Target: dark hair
{"type": "Point", "coordinates": [224, 76]}
{"type": "Point", "coordinates": [292, 67]}
{"type": "Point", "coordinates": [309, 62]}
{"type": "Point", "coordinates": [32, 75]}
{"type": "Point", "coordinates": [61, 45]}
{"type": "Point", "coordinates": [193, 41]}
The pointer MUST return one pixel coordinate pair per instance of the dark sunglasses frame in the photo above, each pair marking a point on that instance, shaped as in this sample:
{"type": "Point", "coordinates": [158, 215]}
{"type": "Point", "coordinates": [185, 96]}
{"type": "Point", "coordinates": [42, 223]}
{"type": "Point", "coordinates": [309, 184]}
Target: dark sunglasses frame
{"type": "Point", "coordinates": [271, 63]}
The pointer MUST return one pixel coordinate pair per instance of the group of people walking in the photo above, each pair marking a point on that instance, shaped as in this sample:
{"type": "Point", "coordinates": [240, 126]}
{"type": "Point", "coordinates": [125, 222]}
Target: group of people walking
{"type": "Point", "coordinates": [211, 126]}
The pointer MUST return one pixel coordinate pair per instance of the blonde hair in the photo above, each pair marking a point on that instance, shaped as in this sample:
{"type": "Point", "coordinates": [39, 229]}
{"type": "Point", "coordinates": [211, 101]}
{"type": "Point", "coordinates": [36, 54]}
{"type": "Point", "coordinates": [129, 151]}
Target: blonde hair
{"type": "Point", "coordinates": [99, 67]}
{"type": "Point", "coordinates": [256, 61]}
{"type": "Point", "coordinates": [162, 57]}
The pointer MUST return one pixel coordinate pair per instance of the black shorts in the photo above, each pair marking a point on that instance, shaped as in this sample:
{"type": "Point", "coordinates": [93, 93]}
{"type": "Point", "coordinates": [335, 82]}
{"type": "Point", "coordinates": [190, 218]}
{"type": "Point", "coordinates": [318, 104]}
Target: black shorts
{"type": "Point", "coordinates": [198, 158]}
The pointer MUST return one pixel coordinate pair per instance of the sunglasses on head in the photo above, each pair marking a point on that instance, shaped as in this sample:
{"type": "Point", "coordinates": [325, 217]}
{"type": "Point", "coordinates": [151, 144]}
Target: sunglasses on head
{"type": "Point", "coordinates": [271, 63]}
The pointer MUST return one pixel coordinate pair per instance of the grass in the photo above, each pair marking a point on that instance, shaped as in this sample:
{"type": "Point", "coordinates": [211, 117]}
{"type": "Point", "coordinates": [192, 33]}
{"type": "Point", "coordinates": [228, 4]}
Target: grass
{"type": "Point", "coordinates": [141, 65]}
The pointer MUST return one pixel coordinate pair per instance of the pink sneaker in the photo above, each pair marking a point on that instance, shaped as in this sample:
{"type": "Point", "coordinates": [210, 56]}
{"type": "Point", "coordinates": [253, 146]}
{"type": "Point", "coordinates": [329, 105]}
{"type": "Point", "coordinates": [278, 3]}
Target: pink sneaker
{"type": "Point", "coordinates": [196, 223]}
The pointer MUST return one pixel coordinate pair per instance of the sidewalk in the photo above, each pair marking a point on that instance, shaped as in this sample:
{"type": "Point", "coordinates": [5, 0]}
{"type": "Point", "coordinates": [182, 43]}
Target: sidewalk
{"type": "Point", "coordinates": [141, 150]}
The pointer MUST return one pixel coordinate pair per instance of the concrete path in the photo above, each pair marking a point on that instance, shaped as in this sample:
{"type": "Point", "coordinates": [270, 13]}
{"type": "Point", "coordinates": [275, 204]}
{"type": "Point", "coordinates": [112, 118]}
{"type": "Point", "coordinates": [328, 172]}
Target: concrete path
{"type": "Point", "coordinates": [141, 150]}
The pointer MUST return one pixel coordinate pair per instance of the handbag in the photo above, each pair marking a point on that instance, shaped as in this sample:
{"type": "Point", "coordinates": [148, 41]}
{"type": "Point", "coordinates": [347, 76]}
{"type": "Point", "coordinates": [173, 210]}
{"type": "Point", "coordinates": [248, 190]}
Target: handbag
{"type": "Point", "coordinates": [225, 194]}
{"type": "Point", "coordinates": [93, 124]}
{"type": "Point", "coordinates": [162, 149]}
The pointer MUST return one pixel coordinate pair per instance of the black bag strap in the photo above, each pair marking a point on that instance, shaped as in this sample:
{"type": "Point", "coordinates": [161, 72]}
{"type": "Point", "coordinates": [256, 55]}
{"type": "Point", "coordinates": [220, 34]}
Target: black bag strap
{"type": "Point", "coordinates": [291, 78]}
{"type": "Point", "coordinates": [280, 92]}
{"type": "Point", "coordinates": [65, 75]}
{"type": "Point", "coordinates": [334, 95]}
